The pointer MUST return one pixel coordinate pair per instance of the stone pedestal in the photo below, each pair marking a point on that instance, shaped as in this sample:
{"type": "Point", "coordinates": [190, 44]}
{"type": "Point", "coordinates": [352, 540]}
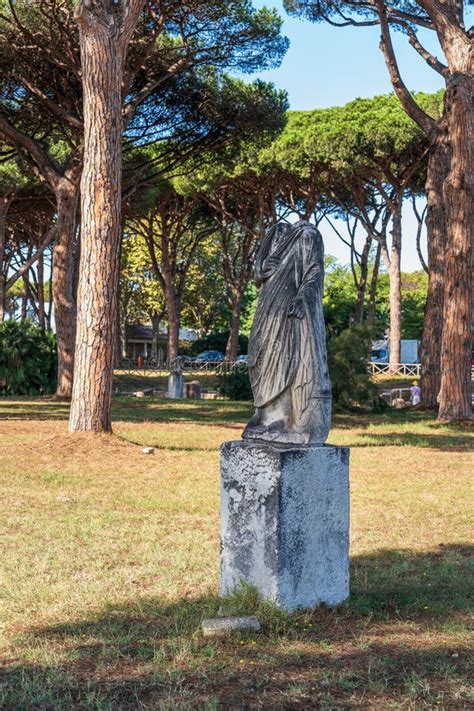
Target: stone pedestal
{"type": "Point", "coordinates": [193, 390]}
{"type": "Point", "coordinates": [285, 522]}
{"type": "Point", "coordinates": [175, 386]}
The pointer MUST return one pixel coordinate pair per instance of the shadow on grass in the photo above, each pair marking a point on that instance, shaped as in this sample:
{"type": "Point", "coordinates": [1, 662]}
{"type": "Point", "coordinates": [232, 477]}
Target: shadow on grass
{"type": "Point", "coordinates": [27, 409]}
{"type": "Point", "coordinates": [446, 442]}
{"type": "Point", "coordinates": [362, 420]}
{"type": "Point", "coordinates": [129, 410]}
{"type": "Point", "coordinates": [235, 414]}
{"type": "Point", "coordinates": [150, 653]}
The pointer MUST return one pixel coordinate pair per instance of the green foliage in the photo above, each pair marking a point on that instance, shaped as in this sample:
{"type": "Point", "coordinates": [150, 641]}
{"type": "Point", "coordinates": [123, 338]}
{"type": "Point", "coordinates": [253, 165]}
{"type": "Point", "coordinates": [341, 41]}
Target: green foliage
{"type": "Point", "coordinates": [141, 296]}
{"type": "Point", "coordinates": [347, 356]}
{"type": "Point", "coordinates": [339, 298]}
{"type": "Point", "coordinates": [249, 304]}
{"type": "Point", "coordinates": [365, 137]}
{"type": "Point", "coordinates": [235, 384]}
{"type": "Point", "coordinates": [414, 290]}
{"type": "Point", "coordinates": [347, 359]}
{"type": "Point", "coordinates": [27, 359]}
{"type": "Point", "coordinates": [205, 306]}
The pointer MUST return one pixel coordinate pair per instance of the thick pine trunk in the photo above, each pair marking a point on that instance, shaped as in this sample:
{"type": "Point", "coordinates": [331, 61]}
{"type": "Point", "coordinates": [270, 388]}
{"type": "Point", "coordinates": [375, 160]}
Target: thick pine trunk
{"type": "Point", "coordinates": [232, 345]}
{"type": "Point", "coordinates": [430, 347]}
{"type": "Point", "coordinates": [64, 301]}
{"type": "Point", "coordinates": [102, 58]}
{"type": "Point", "coordinates": [455, 397]}
{"type": "Point", "coordinates": [395, 283]}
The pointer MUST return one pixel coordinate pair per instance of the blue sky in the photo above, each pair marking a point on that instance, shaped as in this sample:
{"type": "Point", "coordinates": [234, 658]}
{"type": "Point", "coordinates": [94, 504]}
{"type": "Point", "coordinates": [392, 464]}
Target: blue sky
{"type": "Point", "coordinates": [327, 66]}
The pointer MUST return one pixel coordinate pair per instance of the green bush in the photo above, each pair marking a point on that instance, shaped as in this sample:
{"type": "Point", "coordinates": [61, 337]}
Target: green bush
{"type": "Point", "coordinates": [28, 361]}
{"type": "Point", "coordinates": [348, 354]}
{"type": "Point", "coordinates": [352, 388]}
{"type": "Point", "coordinates": [235, 384]}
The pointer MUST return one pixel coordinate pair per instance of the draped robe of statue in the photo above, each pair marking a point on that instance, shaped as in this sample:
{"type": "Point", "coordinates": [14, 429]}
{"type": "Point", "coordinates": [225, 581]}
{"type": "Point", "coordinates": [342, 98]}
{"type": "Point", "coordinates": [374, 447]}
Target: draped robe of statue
{"type": "Point", "coordinates": [287, 356]}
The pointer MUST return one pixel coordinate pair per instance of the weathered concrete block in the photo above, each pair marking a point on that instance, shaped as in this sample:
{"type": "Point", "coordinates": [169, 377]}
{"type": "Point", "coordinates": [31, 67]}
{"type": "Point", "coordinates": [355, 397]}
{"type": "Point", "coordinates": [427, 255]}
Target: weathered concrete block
{"type": "Point", "coordinates": [222, 625]}
{"type": "Point", "coordinates": [193, 390]}
{"type": "Point", "coordinates": [285, 522]}
{"type": "Point", "coordinates": [175, 386]}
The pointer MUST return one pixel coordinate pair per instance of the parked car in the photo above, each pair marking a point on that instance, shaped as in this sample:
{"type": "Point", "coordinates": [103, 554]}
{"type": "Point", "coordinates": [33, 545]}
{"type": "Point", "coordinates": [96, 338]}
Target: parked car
{"type": "Point", "coordinates": [208, 357]}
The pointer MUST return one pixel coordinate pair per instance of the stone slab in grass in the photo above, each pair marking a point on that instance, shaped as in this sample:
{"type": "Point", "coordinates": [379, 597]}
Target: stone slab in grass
{"type": "Point", "coordinates": [214, 626]}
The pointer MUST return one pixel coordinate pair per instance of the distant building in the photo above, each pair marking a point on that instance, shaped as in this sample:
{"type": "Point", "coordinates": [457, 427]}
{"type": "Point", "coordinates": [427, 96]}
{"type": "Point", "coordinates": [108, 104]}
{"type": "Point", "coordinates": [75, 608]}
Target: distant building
{"type": "Point", "coordinates": [139, 341]}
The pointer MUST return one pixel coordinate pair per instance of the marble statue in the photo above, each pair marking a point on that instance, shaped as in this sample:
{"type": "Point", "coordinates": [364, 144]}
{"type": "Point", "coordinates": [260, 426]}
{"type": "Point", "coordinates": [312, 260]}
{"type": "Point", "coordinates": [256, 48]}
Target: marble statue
{"type": "Point", "coordinates": [287, 357]}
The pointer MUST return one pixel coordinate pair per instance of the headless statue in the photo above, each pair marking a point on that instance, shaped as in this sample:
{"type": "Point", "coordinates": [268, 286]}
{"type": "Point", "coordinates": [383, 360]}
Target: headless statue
{"type": "Point", "coordinates": [287, 356]}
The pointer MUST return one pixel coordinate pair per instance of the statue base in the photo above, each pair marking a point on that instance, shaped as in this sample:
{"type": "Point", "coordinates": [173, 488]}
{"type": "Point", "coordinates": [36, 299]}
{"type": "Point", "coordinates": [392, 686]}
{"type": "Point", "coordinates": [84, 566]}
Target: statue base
{"type": "Point", "coordinates": [285, 522]}
{"type": "Point", "coordinates": [176, 386]}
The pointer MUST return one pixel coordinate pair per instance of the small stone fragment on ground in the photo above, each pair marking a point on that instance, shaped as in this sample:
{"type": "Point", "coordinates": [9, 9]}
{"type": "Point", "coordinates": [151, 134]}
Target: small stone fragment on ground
{"type": "Point", "coordinates": [148, 450]}
{"type": "Point", "coordinates": [139, 393]}
{"type": "Point", "coordinates": [214, 626]}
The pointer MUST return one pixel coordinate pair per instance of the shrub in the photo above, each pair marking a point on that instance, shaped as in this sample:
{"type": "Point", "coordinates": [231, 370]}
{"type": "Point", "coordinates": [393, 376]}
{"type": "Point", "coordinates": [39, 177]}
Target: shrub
{"type": "Point", "coordinates": [352, 387]}
{"type": "Point", "coordinates": [235, 384]}
{"type": "Point", "coordinates": [348, 354]}
{"type": "Point", "coordinates": [27, 359]}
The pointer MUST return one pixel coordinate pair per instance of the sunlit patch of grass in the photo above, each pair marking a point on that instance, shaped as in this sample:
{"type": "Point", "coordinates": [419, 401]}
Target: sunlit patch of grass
{"type": "Point", "coordinates": [110, 562]}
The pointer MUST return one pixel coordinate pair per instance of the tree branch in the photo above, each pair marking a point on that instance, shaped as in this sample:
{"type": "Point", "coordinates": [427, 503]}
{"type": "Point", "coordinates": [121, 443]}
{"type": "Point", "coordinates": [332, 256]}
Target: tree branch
{"type": "Point", "coordinates": [426, 123]}
{"type": "Point", "coordinates": [44, 163]}
{"type": "Point", "coordinates": [50, 236]}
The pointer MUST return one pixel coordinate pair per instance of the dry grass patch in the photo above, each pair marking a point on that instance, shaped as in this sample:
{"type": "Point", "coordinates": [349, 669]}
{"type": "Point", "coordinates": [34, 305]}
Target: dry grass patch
{"type": "Point", "coordinates": [110, 561]}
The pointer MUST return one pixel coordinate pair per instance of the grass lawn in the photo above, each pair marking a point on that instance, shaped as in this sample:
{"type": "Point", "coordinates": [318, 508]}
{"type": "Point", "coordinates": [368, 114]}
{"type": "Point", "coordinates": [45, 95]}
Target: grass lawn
{"type": "Point", "coordinates": [110, 560]}
{"type": "Point", "coordinates": [126, 382]}
{"type": "Point", "coordinates": [129, 381]}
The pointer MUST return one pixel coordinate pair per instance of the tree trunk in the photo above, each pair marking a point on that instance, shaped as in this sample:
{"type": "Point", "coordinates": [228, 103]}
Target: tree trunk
{"type": "Point", "coordinates": [455, 397]}
{"type": "Point", "coordinates": [2, 297]}
{"type": "Point", "coordinates": [232, 346]}
{"type": "Point", "coordinates": [41, 310]}
{"type": "Point", "coordinates": [174, 317]}
{"type": "Point", "coordinates": [430, 347]}
{"type": "Point", "coordinates": [102, 58]}
{"type": "Point", "coordinates": [50, 301]}
{"type": "Point", "coordinates": [373, 292]}
{"type": "Point", "coordinates": [118, 350]}
{"type": "Point", "coordinates": [4, 205]}
{"type": "Point", "coordinates": [30, 297]}
{"type": "Point", "coordinates": [155, 325]}
{"type": "Point", "coordinates": [24, 301]}
{"type": "Point", "coordinates": [395, 282]}
{"type": "Point", "coordinates": [64, 302]}
{"type": "Point", "coordinates": [362, 285]}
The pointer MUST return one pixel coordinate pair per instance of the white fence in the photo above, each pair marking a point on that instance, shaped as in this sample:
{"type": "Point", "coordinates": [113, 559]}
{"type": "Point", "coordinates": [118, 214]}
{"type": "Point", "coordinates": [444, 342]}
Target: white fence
{"type": "Point", "coordinates": [406, 369]}
{"type": "Point", "coordinates": [410, 370]}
